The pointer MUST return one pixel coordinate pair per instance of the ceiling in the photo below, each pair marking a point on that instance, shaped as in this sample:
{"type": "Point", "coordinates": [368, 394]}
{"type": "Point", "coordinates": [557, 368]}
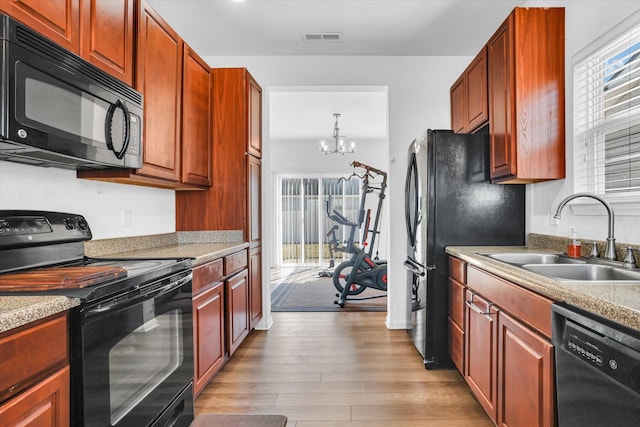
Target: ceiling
{"type": "Point", "coordinates": [365, 27]}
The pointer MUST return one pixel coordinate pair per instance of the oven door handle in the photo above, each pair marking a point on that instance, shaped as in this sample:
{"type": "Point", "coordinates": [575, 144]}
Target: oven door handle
{"type": "Point", "coordinates": [119, 302]}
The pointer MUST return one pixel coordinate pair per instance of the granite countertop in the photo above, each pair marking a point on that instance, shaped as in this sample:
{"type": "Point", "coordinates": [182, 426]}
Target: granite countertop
{"type": "Point", "coordinates": [20, 310]}
{"type": "Point", "coordinates": [200, 253]}
{"type": "Point", "coordinates": [616, 301]}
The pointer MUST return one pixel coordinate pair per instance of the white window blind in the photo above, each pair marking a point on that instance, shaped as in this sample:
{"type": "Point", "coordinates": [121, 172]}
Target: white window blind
{"type": "Point", "coordinates": [607, 113]}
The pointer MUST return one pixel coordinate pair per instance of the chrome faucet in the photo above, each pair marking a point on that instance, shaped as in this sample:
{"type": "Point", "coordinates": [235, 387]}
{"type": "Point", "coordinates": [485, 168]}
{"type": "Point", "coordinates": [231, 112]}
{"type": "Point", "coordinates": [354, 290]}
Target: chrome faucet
{"type": "Point", "coordinates": [610, 249]}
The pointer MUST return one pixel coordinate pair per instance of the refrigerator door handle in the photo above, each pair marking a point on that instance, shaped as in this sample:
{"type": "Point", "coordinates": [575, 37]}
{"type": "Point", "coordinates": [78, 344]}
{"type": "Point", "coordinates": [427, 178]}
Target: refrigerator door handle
{"type": "Point", "coordinates": [416, 268]}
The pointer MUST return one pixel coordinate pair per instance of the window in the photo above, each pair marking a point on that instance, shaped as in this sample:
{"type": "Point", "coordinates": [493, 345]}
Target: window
{"type": "Point", "coordinates": [303, 221]}
{"type": "Point", "coordinates": [607, 114]}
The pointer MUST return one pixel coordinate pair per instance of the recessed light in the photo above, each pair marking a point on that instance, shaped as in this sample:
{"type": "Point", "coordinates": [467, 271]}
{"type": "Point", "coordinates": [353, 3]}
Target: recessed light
{"type": "Point", "coordinates": [237, 1]}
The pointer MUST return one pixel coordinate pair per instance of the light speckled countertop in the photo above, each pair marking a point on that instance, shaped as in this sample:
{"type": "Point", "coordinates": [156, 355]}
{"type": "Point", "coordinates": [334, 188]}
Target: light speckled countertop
{"type": "Point", "coordinates": [18, 311]}
{"type": "Point", "coordinates": [199, 252]}
{"type": "Point", "coordinates": [616, 301]}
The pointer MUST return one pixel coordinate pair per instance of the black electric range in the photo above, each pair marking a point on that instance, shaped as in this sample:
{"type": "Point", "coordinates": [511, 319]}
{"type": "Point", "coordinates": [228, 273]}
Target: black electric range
{"type": "Point", "coordinates": [131, 336]}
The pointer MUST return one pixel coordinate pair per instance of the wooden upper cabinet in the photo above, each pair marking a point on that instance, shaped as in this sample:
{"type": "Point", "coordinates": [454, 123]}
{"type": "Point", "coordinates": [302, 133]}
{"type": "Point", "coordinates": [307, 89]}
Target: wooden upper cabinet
{"type": "Point", "coordinates": [107, 36]}
{"type": "Point", "coordinates": [196, 122]}
{"type": "Point", "coordinates": [477, 93]}
{"type": "Point", "coordinates": [458, 106]}
{"type": "Point", "coordinates": [100, 31]}
{"type": "Point", "coordinates": [235, 171]}
{"type": "Point", "coordinates": [59, 20]}
{"type": "Point", "coordinates": [469, 96]}
{"type": "Point", "coordinates": [254, 117]}
{"type": "Point", "coordinates": [159, 78]}
{"type": "Point", "coordinates": [526, 97]}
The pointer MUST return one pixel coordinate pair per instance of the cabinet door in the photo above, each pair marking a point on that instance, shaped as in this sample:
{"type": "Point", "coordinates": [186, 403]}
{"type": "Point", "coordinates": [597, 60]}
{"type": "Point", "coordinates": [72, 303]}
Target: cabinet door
{"type": "Point", "coordinates": [477, 94]}
{"type": "Point", "coordinates": [208, 331]}
{"type": "Point", "coordinates": [255, 117]}
{"type": "Point", "coordinates": [503, 150]}
{"type": "Point", "coordinates": [481, 351]}
{"type": "Point", "coordinates": [159, 78]}
{"type": "Point", "coordinates": [456, 324]}
{"type": "Point", "coordinates": [237, 293]}
{"type": "Point", "coordinates": [255, 200]}
{"type": "Point", "coordinates": [458, 106]}
{"type": "Point", "coordinates": [196, 120]}
{"type": "Point", "coordinates": [525, 376]}
{"type": "Point", "coordinates": [255, 286]}
{"type": "Point", "coordinates": [45, 404]}
{"type": "Point", "coordinates": [59, 20]}
{"type": "Point", "coordinates": [107, 36]}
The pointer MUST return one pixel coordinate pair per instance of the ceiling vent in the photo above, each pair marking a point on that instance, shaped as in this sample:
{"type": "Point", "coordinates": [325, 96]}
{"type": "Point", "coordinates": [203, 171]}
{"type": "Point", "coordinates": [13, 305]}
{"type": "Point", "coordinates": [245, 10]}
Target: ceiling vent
{"type": "Point", "coordinates": [322, 37]}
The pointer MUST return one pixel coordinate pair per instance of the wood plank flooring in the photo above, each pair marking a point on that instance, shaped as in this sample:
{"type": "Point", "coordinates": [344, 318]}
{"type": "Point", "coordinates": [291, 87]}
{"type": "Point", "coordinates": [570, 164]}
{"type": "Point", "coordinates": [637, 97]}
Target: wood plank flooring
{"type": "Point", "coordinates": [339, 370]}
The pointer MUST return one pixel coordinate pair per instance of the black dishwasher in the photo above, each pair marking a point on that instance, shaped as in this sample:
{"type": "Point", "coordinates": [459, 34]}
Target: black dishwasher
{"type": "Point", "coordinates": [597, 370]}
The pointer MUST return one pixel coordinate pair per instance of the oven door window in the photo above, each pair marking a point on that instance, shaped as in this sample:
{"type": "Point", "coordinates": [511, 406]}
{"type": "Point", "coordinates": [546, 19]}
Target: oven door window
{"type": "Point", "coordinates": [157, 353]}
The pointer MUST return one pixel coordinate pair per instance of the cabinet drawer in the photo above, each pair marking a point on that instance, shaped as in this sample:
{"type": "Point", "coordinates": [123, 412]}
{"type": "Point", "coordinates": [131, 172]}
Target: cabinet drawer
{"type": "Point", "coordinates": [30, 353]}
{"type": "Point", "coordinates": [235, 262]}
{"type": "Point", "coordinates": [458, 269]}
{"type": "Point", "coordinates": [529, 307]}
{"type": "Point", "coordinates": [206, 274]}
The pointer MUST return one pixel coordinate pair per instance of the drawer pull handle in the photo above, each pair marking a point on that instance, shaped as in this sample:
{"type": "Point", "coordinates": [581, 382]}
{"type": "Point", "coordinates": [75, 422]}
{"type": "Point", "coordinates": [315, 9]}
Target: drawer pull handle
{"type": "Point", "coordinates": [469, 303]}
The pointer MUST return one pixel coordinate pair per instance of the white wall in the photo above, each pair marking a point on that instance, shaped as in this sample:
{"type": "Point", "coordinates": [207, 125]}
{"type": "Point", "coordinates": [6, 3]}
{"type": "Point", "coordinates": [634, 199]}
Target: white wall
{"type": "Point", "coordinates": [150, 210]}
{"type": "Point", "coordinates": [418, 90]}
{"type": "Point", "coordinates": [585, 21]}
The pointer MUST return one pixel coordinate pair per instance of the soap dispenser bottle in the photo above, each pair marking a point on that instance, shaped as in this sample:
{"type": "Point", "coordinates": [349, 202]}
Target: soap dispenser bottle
{"type": "Point", "coordinates": [574, 245]}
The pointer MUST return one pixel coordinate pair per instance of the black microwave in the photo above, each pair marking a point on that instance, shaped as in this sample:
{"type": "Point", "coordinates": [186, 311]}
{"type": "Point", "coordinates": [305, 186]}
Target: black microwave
{"type": "Point", "coordinates": [59, 110]}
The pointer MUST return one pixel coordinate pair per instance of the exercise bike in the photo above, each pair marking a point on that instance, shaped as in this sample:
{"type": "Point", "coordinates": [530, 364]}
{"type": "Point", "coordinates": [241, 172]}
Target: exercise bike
{"type": "Point", "coordinates": [361, 271]}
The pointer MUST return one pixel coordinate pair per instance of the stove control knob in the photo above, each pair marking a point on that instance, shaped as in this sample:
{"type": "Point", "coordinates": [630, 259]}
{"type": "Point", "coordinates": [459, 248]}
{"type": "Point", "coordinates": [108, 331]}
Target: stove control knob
{"type": "Point", "coordinates": [82, 224]}
{"type": "Point", "coordinates": [70, 223]}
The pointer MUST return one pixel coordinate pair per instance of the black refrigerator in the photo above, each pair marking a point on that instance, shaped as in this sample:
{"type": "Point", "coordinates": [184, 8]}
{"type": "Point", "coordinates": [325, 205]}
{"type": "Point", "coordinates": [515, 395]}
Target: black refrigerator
{"type": "Point", "coordinates": [449, 201]}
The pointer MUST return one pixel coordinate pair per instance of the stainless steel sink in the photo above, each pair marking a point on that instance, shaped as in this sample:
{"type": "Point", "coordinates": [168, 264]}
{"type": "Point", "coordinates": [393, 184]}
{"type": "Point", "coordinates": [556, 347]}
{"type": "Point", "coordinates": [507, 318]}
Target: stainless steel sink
{"type": "Point", "coordinates": [534, 258]}
{"type": "Point", "coordinates": [583, 272]}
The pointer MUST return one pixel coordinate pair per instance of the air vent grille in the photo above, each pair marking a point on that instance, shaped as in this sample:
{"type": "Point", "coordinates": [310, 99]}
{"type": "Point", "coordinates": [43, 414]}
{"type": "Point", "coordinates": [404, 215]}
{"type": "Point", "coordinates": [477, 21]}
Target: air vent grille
{"type": "Point", "coordinates": [322, 37]}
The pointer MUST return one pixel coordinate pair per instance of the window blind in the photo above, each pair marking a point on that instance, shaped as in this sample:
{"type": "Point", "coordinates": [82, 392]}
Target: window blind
{"type": "Point", "coordinates": [607, 114]}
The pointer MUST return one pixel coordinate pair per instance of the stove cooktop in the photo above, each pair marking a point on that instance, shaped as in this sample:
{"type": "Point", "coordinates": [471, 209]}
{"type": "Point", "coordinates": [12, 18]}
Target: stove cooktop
{"type": "Point", "coordinates": [139, 272]}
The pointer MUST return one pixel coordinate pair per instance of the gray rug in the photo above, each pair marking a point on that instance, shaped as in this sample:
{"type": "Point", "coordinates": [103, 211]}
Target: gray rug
{"type": "Point", "coordinates": [304, 291]}
{"type": "Point", "coordinates": [233, 420]}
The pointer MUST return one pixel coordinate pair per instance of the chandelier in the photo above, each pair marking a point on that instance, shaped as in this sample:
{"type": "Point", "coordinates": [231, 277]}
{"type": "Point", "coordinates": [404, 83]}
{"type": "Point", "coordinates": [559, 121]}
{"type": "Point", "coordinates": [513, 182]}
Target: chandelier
{"type": "Point", "coordinates": [338, 140]}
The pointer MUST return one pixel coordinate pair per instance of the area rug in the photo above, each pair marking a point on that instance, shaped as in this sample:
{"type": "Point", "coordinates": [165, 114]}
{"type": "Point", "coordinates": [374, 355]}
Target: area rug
{"type": "Point", "coordinates": [239, 420]}
{"type": "Point", "coordinates": [306, 291]}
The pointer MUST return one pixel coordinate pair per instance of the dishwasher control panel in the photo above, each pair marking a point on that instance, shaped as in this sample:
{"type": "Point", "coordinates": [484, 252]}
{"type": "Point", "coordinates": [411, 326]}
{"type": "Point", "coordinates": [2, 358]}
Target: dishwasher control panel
{"type": "Point", "coordinates": [603, 353]}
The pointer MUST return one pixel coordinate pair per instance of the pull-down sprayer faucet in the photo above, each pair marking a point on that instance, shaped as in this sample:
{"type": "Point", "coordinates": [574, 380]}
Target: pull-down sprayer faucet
{"type": "Point", "coordinates": [610, 250]}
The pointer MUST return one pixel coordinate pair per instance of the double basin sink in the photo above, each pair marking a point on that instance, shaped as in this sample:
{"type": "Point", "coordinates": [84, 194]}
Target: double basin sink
{"type": "Point", "coordinates": [563, 268]}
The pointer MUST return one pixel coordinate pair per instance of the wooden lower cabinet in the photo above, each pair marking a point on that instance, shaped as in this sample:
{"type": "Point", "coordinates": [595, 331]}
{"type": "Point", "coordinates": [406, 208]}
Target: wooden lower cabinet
{"type": "Point", "coordinates": [525, 376]}
{"type": "Point", "coordinates": [46, 404]}
{"type": "Point", "coordinates": [456, 324]}
{"type": "Point", "coordinates": [34, 379]}
{"type": "Point", "coordinates": [255, 286]}
{"type": "Point", "coordinates": [237, 291]}
{"type": "Point", "coordinates": [508, 356]}
{"type": "Point", "coordinates": [208, 331]}
{"type": "Point", "coordinates": [481, 352]}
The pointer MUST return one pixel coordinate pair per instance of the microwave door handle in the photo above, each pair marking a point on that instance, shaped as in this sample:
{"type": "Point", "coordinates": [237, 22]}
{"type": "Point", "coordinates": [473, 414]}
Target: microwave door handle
{"type": "Point", "coordinates": [127, 128]}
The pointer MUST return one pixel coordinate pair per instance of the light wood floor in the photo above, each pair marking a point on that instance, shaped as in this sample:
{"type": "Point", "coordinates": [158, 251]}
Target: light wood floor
{"type": "Point", "coordinates": [339, 370]}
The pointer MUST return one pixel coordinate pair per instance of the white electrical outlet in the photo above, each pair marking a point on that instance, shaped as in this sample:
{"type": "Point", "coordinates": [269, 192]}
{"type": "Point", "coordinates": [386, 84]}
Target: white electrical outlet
{"type": "Point", "coordinates": [126, 217]}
